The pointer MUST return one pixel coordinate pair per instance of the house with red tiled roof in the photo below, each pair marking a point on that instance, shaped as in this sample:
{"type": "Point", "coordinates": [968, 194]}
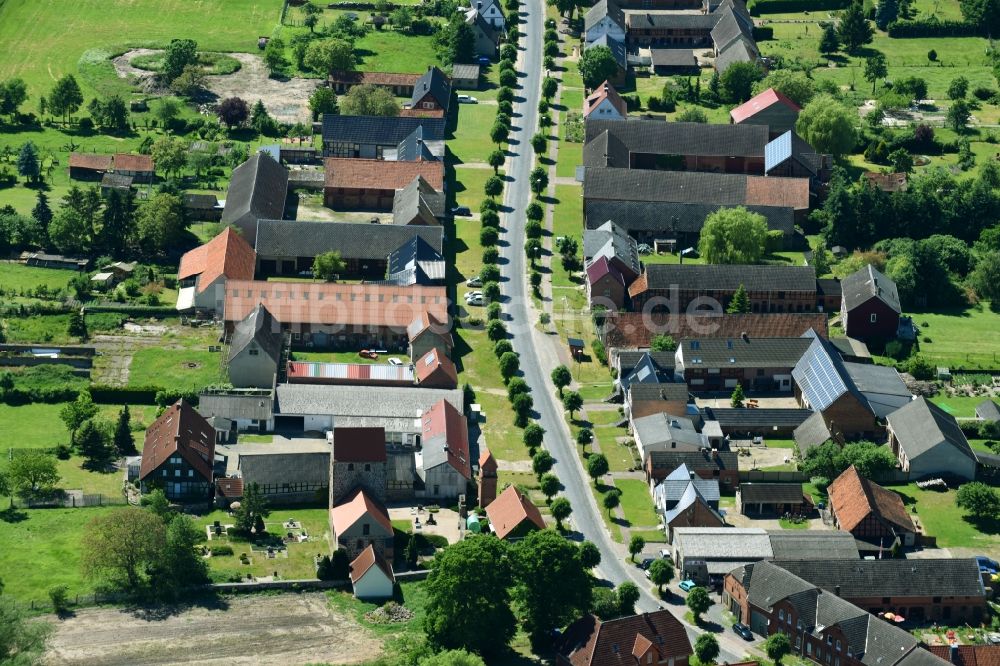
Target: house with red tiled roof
{"type": "Point", "coordinates": [650, 638]}
{"type": "Point", "coordinates": [487, 478]}
{"type": "Point", "coordinates": [435, 370]}
{"type": "Point", "coordinates": [370, 184]}
{"type": "Point", "coordinates": [88, 166]}
{"type": "Point", "coordinates": [358, 461]}
{"type": "Point", "coordinates": [968, 655]}
{"type": "Point", "coordinates": [771, 109]}
{"type": "Point", "coordinates": [359, 521]}
{"type": "Point", "coordinates": [178, 454]}
{"type": "Point", "coordinates": [428, 331]}
{"type": "Point", "coordinates": [605, 103]}
{"type": "Point", "coordinates": [868, 511]}
{"type": "Point", "coordinates": [443, 462]}
{"type": "Point", "coordinates": [513, 516]}
{"type": "Point", "coordinates": [372, 576]}
{"type": "Point", "coordinates": [606, 285]}
{"type": "Point", "coordinates": [139, 167]}
{"type": "Point", "coordinates": [204, 271]}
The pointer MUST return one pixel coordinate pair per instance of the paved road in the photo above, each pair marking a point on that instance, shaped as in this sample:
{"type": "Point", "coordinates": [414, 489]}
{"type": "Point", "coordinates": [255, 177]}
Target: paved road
{"type": "Point", "coordinates": [537, 350]}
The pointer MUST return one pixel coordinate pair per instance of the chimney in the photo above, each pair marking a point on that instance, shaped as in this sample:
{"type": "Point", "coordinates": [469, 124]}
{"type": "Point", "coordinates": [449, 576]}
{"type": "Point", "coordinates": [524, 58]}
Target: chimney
{"type": "Point", "coordinates": [953, 653]}
{"type": "Point", "coordinates": [479, 5]}
{"type": "Point", "coordinates": [745, 336]}
{"type": "Point", "coordinates": [691, 475]}
{"type": "Point", "coordinates": [836, 590]}
{"type": "Point", "coordinates": [606, 87]}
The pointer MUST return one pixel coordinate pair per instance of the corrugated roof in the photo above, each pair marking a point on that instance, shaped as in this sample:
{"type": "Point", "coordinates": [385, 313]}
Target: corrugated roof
{"type": "Point", "coordinates": [361, 373]}
{"type": "Point", "coordinates": [677, 138]}
{"type": "Point", "coordinates": [379, 130]}
{"type": "Point", "coordinates": [740, 353]}
{"type": "Point", "coordinates": [891, 578]}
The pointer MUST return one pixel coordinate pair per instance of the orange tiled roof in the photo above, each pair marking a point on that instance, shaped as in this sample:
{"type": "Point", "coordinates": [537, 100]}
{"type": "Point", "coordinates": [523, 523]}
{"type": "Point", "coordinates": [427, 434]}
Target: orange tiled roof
{"type": "Point", "coordinates": [443, 420]}
{"type": "Point", "coordinates": [365, 561]}
{"type": "Point", "coordinates": [355, 507]}
{"type": "Point", "coordinates": [353, 173]}
{"type": "Point", "coordinates": [783, 192]}
{"type": "Point", "coordinates": [130, 162]}
{"type": "Point", "coordinates": [90, 161]}
{"type": "Point", "coordinates": [509, 510]}
{"type": "Point", "coordinates": [434, 369]}
{"type": "Point", "coordinates": [853, 498]}
{"type": "Point", "coordinates": [605, 91]}
{"type": "Point", "coordinates": [227, 254]}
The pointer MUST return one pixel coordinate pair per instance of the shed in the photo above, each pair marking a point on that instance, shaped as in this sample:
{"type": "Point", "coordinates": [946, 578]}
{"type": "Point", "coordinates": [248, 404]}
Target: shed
{"type": "Point", "coordinates": [371, 575]}
{"type": "Point", "coordinates": [465, 76]}
{"type": "Point", "coordinates": [576, 347]}
{"type": "Point", "coordinates": [776, 498]}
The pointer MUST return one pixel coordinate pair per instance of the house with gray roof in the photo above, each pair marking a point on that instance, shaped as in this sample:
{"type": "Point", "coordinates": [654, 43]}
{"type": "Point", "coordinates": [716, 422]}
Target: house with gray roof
{"type": "Point", "coordinates": [431, 92]}
{"type": "Point", "coordinates": [257, 191]}
{"type": "Point", "coordinates": [706, 463]}
{"type": "Point", "coordinates": [742, 423]}
{"type": "Point", "coordinates": [987, 410]}
{"type": "Point", "coordinates": [666, 432]}
{"type": "Point", "coordinates": [671, 489]}
{"type": "Point", "coordinates": [692, 509]}
{"type": "Point", "coordinates": [491, 11]}
{"type": "Point", "coordinates": [870, 305]}
{"type": "Point", "coordinates": [769, 598]}
{"type": "Point", "coordinates": [416, 262]}
{"type": "Point", "coordinates": [379, 137]}
{"type": "Point", "coordinates": [721, 364]}
{"type": "Point", "coordinates": [758, 497]}
{"type": "Point", "coordinates": [255, 350]}
{"type": "Point", "coordinates": [485, 36]}
{"type": "Point", "coordinates": [791, 156]}
{"type": "Point", "coordinates": [604, 18]}
{"type": "Point", "coordinates": [619, 52]}
{"type": "Point", "coordinates": [612, 242]}
{"type": "Point", "coordinates": [314, 407]}
{"type": "Point", "coordinates": [288, 247]}
{"type": "Point", "coordinates": [292, 471]}
{"type": "Point", "coordinates": [853, 397]}
{"type": "Point", "coordinates": [238, 410]}
{"type": "Point", "coordinates": [418, 204]}
{"type": "Point", "coordinates": [929, 442]}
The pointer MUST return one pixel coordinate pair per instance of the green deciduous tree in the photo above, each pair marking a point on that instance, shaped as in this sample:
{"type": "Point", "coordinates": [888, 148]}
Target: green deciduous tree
{"type": "Point", "coordinates": [706, 648]}
{"type": "Point", "coordinates": [111, 114]}
{"type": "Point", "coordinates": [612, 499]}
{"type": "Point", "coordinates": [274, 55]}
{"type": "Point", "coordinates": [662, 342]}
{"type": "Point", "coordinates": [32, 473]}
{"type": "Point", "coordinates": [328, 265]}
{"type": "Point", "coordinates": [698, 602]}
{"type": "Point", "coordinates": [985, 14]}
{"type": "Point", "coordinates": [661, 572]}
{"type": "Point", "coordinates": [777, 647]}
{"type": "Point", "coordinates": [561, 510]}
{"type": "Point", "coordinates": [541, 462]}
{"type": "Point", "coordinates": [958, 115]}
{"type": "Point", "coordinates": [66, 97]}
{"type": "Point", "coordinates": [74, 414]}
{"type": "Point", "coordinates": [549, 485]}
{"type": "Point", "coordinates": [369, 100]}
{"type": "Point", "coordinates": [161, 223]}
{"type": "Point", "coordinates": [453, 658]}
{"type": "Point", "coordinates": [13, 93]}
{"type": "Point", "coordinates": [597, 466]}
{"type": "Point", "coordinates": [181, 565]}
{"type": "Point", "coordinates": [120, 548]}
{"type": "Point", "coordinates": [533, 435]}
{"type": "Point", "coordinates": [885, 13]}
{"type": "Point", "coordinates": [733, 236]}
{"type": "Point", "coordinates": [455, 41]}
{"type": "Point", "coordinates": [796, 86]}
{"type": "Point", "coordinates": [93, 439]}
{"type": "Point", "coordinates": [538, 180]}
{"type": "Point", "coordinates": [468, 589]}
{"type": "Point", "coordinates": [597, 65]}
{"type": "Point", "coordinates": [22, 641]}
{"type": "Point", "coordinates": [985, 277]}
{"type": "Point", "coordinates": [561, 378]}
{"type": "Point", "coordinates": [876, 67]}
{"type": "Point", "coordinates": [330, 55]}
{"type": "Point", "coordinates": [738, 79]}
{"type": "Point", "coordinates": [635, 545]}
{"type": "Point", "coordinates": [180, 53]}
{"type": "Point", "coordinates": [572, 402]}
{"type": "Point", "coordinates": [169, 154]}
{"type": "Point", "coordinates": [190, 82]}
{"type": "Point", "coordinates": [552, 585]}
{"type": "Point", "coordinates": [829, 42]}
{"type": "Point", "coordinates": [978, 499]}
{"type": "Point", "coordinates": [323, 100]}
{"type": "Point", "coordinates": [252, 506]}
{"type": "Point", "coordinates": [827, 125]}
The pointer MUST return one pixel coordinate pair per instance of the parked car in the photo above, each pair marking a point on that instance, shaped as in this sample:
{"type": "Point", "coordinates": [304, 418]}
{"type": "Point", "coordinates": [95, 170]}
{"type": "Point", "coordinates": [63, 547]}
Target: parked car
{"type": "Point", "coordinates": [474, 282]}
{"type": "Point", "coordinates": [743, 631]}
{"type": "Point", "coordinates": [395, 361]}
{"type": "Point", "coordinates": [483, 60]}
{"type": "Point", "coordinates": [664, 553]}
{"type": "Point", "coordinates": [461, 211]}
{"type": "Point", "coordinates": [476, 300]}
{"type": "Point", "coordinates": [646, 562]}
{"type": "Point", "coordinates": [687, 585]}
{"type": "Point", "coordinates": [986, 565]}
{"type": "Point", "coordinates": [467, 99]}
{"type": "Point", "coordinates": [473, 294]}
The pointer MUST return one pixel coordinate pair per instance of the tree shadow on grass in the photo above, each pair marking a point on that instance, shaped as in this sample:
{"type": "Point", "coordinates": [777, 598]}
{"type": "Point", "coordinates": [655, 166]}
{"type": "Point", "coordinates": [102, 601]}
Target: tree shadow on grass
{"type": "Point", "coordinates": [13, 515]}
{"type": "Point", "coordinates": [154, 612]}
{"type": "Point", "coordinates": [984, 525]}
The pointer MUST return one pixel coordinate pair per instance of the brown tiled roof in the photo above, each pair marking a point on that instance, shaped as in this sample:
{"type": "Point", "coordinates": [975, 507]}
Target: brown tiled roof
{"type": "Point", "coordinates": [853, 498]}
{"type": "Point", "coordinates": [968, 655]}
{"type": "Point", "coordinates": [354, 507]}
{"type": "Point", "coordinates": [335, 303]}
{"type": "Point", "coordinates": [487, 461]}
{"type": "Point", "coordinates": [591, 642]}
{"type": "Point", "coordinates": [229, 488]}
{"type": "Point", "coordinates": [636, 330]}
{"type": "Point", "coordinates": [359, 445]}
{"type": "Point", "coordinates": [227, 254]}
{"type": "Point", "coordinates": [353, 173]}
{"type": "Point", "coordinates": [446, 426]}
{"type": "Point", "coordinates": [421, 113]}
{"type": "Point", "coordinates": [90, 161]}
{"type": "Point", "coordinates": [181, 430]}
{"type": "Point", "coordinates": [603, 92]}
{"type": "Point", "coordinates": [436, 370]}
{"type": "Point", "coordinates": [130, 162]}
{"type": "Point", "coordinates": [510, 509]}
{"type": "Point", "coordinates": [769, 191]}
{"type": "Point", "coordinates": [365, 561]}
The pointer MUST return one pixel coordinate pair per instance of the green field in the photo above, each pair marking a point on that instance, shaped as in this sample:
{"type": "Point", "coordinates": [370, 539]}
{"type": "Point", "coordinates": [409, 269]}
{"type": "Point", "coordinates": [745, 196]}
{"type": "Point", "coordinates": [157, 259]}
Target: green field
{"type": "Point", "coordinates": [637, 503]}
{"type": "Point", "coordinates": [960, 338]}
{"type": "Point", "coordinates": [43, 41]}
{"type": "Point", "coordinates": [471, 141]}
{"type": "Point", "coordinates": [34, 426]}
{"type": "Point", "coordinates": [942, 519]}
{"type": "Point", "coordinates": [182, 362]}
{"type": "Point", "coordinates": [14, 276]}
{"type": "Point", "coordinates": [957, 406]}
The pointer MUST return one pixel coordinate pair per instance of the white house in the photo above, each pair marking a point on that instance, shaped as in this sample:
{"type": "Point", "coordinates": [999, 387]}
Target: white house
{"type": "Point", "coordinates": [604, 18]}
{"type": "Point", "coordinates": [372, 576]}
{"type": "Point", "coordinates": [491, 12]}
{"type": "Point", "coordinates": [605, 104]}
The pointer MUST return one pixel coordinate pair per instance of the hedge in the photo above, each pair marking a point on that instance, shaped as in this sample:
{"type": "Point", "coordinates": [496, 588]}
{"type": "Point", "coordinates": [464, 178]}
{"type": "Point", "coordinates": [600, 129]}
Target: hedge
{"type": "Point", "coordinates": [121, 395]}
{"type": "Point", "coordinates": [933, 29]}
{"type": "Point", "coordinates": [763, 32]}
{"type": "Point", "coordinates": [134, 310]}
{"type": "Point", "coordinates": [757, 7]}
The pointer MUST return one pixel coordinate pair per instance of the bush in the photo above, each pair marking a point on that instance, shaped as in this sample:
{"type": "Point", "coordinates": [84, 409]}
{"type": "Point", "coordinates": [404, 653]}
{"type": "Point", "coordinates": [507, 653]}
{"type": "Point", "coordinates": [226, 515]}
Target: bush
{"type": "Point", "coordinates": [59, 596]}
{"type": "Point", "coordinates": [599, 353]}
{"type": "Point", "coordinates": [758, 7]}
{"type": "Point", "coordinates": [222, 551]}
{"type": "Point", "coordinates": [932, 28]}
{"type": "Point", "coordinates": [491, 255]}
{"type": "Point", "coordinates": [983, 93]}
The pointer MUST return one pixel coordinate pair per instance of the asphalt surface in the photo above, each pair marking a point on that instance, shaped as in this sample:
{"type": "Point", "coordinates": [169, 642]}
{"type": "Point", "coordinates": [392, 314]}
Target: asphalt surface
{"type": "Point", "coordinates": [537, 351]}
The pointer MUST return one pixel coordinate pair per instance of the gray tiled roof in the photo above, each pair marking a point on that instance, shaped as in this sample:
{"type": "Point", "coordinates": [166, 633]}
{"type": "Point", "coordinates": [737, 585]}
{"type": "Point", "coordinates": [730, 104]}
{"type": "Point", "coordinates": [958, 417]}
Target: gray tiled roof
{"type": "Point", "coordinates": [696, 460]}
{"type": "Point", "coordinates": [690, 495]}
{"type": "Point", "coordinates": [811, 433]}
{"type": "Point", "coordinates": [920, 426]}
{"type": "Point", "coordinates": [725, 543]}
{"type": "Point", "coordinates": [730, 277]}
{"type": "Point", "coordinates": [867, 283]}
{"type": "Point", "coordinates": [728, 28]}
{"type": "Point", "coordinates": [673, 58]}
{"type": "Point", "coordinates": [629, 359]}
{"type": "Point", "coordinates": [416, 256]}
{"type": "Point", "coordinates": [260, 326]}
{"type": "Point", "coordinates": [414, 148]}
{"type": "Point", "coordinates": [669, 432]}
{"type": "Point", "coordinates": [673, 392]}
{"type": "Point", "coordinates": [752, 419]}
{"type": "Point", "coordinates": [663, 138]}
{"type": "Point", "coordinates": [769, 584]}
{"type": "Point", "coordinates": [435, 83]}
{"type": "Point", "coordinates": [988, 410]}
{"type": "Point", "coordinates": [418, 197]}
{"type": "Point", "coordinates": [771, 493]}
{"type": "Point", "coordinates": [740, 50]}
{"type": "Point", "coordinates": [379, 130]}
{"type": "Point", "coordinates": [296, 238]}
{"type": "Point", "coordinates": [739, 353]}
{"type": "Point", "coordinates": [641, 20]}
{"type": "Point", "coordinates": [721, 189]}
{"type": "Point", "coordinates": [891, 578]}
{"type": "Point", "coordinates": [394, 408]}
{"type": "Point", "coordinates": [236, 406]}
{"type": "Point", "coordinates": [664, 217]}
{"type": "Point", "coordinates": [606, 149]}
{"type": "Point", "coordinates": [258, 186]}
{"type": "Point", "coordinates": [881, 386]}
{"type": "Point", "coordinates": [617, 47]}
{"type": "Point", "coordinates": [814, 545]}
{"type": "Point", "coordinates": [465, 71]}
{"type": "Point", "coordinates": [673, 487]}
{"type": "Point", "coordinates": [611, 241]}
{"type": "Point", "coordinates": [601, 9]}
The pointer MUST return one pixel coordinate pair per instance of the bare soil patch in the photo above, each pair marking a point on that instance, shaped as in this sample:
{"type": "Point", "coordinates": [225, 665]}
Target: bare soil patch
{"type": "Point", "coordinates": [286, 99]}
{"type": "Point", "coordinates": [253, 629]}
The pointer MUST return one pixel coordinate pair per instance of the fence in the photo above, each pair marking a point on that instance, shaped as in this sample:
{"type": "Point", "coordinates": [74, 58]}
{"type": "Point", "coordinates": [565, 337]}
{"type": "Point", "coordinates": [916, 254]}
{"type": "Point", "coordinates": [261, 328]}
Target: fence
{"type": "Point", "coordinates": [770, 476]}
{"type": "Point", "coordinates": [68, 351]}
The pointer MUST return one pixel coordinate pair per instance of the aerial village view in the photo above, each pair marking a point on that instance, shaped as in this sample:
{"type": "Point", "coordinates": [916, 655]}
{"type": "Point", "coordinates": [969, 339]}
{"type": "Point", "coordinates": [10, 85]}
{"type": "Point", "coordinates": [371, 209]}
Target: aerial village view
{"type": "Point", "coordinates": [506, 332]}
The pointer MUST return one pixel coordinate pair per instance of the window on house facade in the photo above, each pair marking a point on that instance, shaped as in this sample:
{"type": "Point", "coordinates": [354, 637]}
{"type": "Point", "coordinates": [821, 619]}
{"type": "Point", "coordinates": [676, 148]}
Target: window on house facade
{"type": "Point", "coordinates": [874, 317]}
{"type": "Point", "coordinates": [368, 467]}
{"type": "Point", "coordinates": [254, 352]}
{"type": "Point", "coordinates": [350, 467]}
{"type": "Point", "coordinates": [366, 529]}
{"type": "Point", "coordinates": [838, 646]}
{"type": "Point", "coordinates": [809, 648]}
{"type": "Point", "coordinates": [781, 615]}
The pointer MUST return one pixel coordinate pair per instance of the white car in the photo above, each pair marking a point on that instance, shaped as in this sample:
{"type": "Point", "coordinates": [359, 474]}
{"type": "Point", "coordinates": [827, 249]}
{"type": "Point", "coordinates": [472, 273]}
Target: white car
{"type": "Point", "coordinates": [473, 294]}
{"type": "Point", "coordinates": [395, 361]}
{"type": "Point", "coordinates": [467, 99]}
{"type": "Point", "coordinates": [474, 282]}
{"type": "Point", "coordinates": [476, 300]}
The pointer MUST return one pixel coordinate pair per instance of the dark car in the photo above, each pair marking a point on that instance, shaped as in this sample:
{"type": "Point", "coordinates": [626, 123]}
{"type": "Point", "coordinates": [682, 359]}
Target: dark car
{"type": "Point", "coordinates": [646, 562]}
{"type": "Point", "coordinates": [743, 631]}
{"type": "Point", "coordinates": [462, 211]}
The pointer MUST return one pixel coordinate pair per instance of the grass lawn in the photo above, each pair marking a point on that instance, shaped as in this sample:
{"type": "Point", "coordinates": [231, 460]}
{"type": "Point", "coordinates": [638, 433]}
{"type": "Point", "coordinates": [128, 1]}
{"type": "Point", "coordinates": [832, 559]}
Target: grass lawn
{"type": "Point", "coordinates": [14, 276]}
{"type": "Point", "coordinates": [468, 188]}
{"type": "Point", "coordinates": [780, 443]}
{"type": "Point", "coordinates": [607, 417]}
{"type": "Point", "coordinates": [43, 550]}
{"type": "Point", "coordinates": [620, 457]}
{"type": "Point", "coordinates": [613, 525]}
{"type": "Point", "coordinates": [637, 503]}
{"type": "Point", "coordinates": [791, 525]}
{"type": "Point", "coordinates": [596, 391]}
{"type": "Point", "coordinates": [44, 42]}
{"type": "Point", "coordinates": [960, 338]}
{"type": "Point", "coordinates": [178, 362]}
{"type": "Point", "coordinates": [339, 357]}
{"type": "Point", "coordinates": [34, 426]}
{"type": "Point", "coordinates": [651, 536]}
{"type": "Point", "coordinates": [471, 140]}
{"type": "Point", "coordinates": [942, 519]}
{"type": "Point", "coordinates": [957, 406]}
{"type": "Point", "coordinates": [298, 564]}
{"type": "Point", "coordinates": [390, 51]}
{"type": "Point", "coordinates": [53, 328]}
